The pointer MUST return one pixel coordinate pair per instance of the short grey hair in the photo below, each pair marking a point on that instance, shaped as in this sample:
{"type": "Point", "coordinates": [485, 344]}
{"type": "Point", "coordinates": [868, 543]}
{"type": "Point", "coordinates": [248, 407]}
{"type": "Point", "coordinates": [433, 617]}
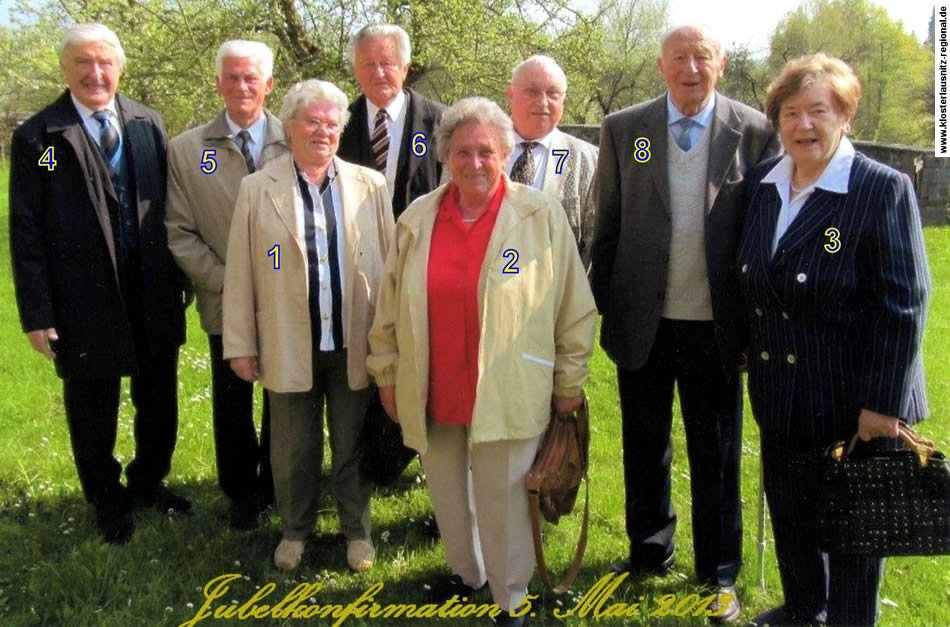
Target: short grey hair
{"type": "Point", "coordinates": [702, 28]}
{"type": "Point", "coordinates": [90, 32]}
{"type": "Point", "coordinates": [257, 51]}
{"type": "Point", "coordinates": [475, 109]}
{"type": "Point", "coordinates": [547, 63]}
{"type": "Point", "coordinates": [393, 31]}
{"type": "Point", "coordinates": [305, 93]}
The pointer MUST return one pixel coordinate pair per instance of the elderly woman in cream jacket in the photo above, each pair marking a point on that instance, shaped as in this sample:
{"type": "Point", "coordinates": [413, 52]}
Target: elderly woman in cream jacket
{"type": "Point", "coordinates": [485, 319]}
{"type": "Point", "coordinates": [305, 256]}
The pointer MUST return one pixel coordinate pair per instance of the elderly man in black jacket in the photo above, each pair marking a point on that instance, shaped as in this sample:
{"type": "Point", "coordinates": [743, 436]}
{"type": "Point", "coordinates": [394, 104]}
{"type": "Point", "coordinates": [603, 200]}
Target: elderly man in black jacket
{"type": "Point", "coordinates": [97, 289]}
{"type": "Point", "coordinates": [391, 129]}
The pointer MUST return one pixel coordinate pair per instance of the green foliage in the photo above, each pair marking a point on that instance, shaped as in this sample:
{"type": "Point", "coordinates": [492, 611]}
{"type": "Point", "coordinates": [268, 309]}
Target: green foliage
{"type": "Point", "coordinates": [895, 70]}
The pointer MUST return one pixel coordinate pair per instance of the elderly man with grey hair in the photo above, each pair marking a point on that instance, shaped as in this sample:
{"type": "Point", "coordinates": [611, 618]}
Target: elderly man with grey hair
{"type": "Point", "coordinates": [205, 168]}
{"type": "Point", "coordinates": [664, 274]}
{"type": "Point", "coordinates": [393, 127]}
{"type": "Point", "coordinates": [98, 292]}
{"type": "Point", "coordinates": [545, 157]}
{"type": "Point", "coordinates": [305, 256]}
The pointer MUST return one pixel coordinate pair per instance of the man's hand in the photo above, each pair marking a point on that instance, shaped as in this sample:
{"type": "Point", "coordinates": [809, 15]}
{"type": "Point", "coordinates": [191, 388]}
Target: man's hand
{"type": "Point", "coordinates": [387, 396]}
{"type": "Point", "coordinates": [246, 368]}
{"type": "Point", "coordinates": [42, 340]}
{"type": "Point", "coordinates": [874, 425]}
{"type": "Point", "coordinates": [567, 405]}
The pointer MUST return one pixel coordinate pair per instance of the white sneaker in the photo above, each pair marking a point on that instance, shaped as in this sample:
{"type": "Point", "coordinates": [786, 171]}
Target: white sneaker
{"type": "Point", "coordinates": [360, 554]}
{"type": "Point", "coordinates": [288, 554]}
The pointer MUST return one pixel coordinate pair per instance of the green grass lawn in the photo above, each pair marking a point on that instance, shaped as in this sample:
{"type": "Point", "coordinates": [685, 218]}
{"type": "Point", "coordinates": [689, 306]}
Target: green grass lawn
{"type": "Point", "coordinates": [54, 570]}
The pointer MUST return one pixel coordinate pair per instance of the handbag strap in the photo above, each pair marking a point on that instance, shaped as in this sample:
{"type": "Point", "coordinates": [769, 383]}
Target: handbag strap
{"type": "Point", "coordinates": [912, 441]}
{"type": "Point", "coordinates": [575, 567]}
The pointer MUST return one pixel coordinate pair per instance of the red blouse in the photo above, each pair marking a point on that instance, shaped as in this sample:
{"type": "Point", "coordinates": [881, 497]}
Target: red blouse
{"type": "Point", "coordinates": [455, 262]}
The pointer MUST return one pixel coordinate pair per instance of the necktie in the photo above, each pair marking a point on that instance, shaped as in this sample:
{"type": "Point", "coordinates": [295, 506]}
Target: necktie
{"type": "Point", "coordinates": [380, 140]}
{"type": "Point", "coordinates": [684, 141]}
{"type": "Point", "coordinates": [245, 145]}
{"type": "Point", "coordinates": [522, 171]}
{"type": "Point", "coordinates": [108, 138]}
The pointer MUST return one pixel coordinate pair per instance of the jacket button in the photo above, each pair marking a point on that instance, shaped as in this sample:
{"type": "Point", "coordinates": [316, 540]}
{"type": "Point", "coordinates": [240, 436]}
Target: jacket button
{"type": "Point", "coordinates": [745, 267]}
{"type": "Point", "coordinates": [790, 359]}
{"type": "Point", "coordinates": [759, 312]}
{"type": "Point", "coordinates": [764, 356]}
{"type": "Point", "coordinates": [785, 315]}
{"type": "Point", "coordinates": [801, 277]}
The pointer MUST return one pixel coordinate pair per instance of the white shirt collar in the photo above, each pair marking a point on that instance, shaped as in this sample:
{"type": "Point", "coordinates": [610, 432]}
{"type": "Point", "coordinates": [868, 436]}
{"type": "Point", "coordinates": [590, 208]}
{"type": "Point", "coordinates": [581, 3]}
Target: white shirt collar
{"type": "Point", "coordinates": [255, 130]}
{"type": "Point", "coordinates": [394, 108]}
{"type": "Point", "coordinates": [833, 179]}
{"type": "Point", "coordinates": [703, 118]}
{"type": "Point", "coordinates": [86, 113]}
{"type": "Point", "coordinates": [544, 141]}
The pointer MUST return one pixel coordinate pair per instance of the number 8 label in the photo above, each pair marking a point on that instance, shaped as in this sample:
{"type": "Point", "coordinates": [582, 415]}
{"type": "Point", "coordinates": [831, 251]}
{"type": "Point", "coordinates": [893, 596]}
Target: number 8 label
{"type": "Point", "coordinates": [641, 152]}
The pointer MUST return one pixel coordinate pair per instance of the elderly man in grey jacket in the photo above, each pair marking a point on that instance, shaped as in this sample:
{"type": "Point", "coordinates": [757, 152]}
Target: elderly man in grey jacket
{"type": "Point", "coordinates": [205, 168]}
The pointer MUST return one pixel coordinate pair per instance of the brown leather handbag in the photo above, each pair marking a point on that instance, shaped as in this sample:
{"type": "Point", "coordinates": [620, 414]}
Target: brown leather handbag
{"type": "Point", "coordinates": [554, 481]}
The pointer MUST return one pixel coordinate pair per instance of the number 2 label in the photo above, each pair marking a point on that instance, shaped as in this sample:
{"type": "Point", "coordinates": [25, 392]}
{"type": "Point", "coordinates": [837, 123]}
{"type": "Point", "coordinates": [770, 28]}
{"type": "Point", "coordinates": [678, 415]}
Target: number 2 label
{"type": "Point", "coordinates": [511, 255]}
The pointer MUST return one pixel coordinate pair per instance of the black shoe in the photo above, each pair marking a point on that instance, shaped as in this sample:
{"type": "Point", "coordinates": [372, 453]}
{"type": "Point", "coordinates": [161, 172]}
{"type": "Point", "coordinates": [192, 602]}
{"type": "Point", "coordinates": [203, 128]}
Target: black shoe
{"type": "Point", "coordinates": [636, 570]}
{"type": "Point", "coordinates": [115, 526]}
{"type": "Point", "coordinates": [507, 620]}
{"type": "Point", "coordinates": [164, 500]}
{"type": "Point", "coordinates": [243, 514]}
{"type": "Point", "coordinates": [445, 588]}
{"type": "Point", "coordinates": [725, 608]}
{"type": "Point", "coordinates": [780, 617]}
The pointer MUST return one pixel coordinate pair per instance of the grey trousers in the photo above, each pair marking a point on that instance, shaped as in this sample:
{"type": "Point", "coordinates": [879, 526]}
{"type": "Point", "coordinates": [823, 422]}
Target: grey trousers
{"type": "Point", "coordinates": [297, 451]}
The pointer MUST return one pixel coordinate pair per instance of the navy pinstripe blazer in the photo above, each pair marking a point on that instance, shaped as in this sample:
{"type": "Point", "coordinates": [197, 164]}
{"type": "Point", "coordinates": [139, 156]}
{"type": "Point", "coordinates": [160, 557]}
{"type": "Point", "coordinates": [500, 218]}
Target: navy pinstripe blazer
{"type": "Point", "coordinates": [835, 322]}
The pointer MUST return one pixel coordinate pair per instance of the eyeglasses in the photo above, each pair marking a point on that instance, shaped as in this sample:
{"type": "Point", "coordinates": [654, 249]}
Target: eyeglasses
{"type": "Point", "coordinates": [313, 124]}
{"type": "Point", "coordinates": [534, 93]}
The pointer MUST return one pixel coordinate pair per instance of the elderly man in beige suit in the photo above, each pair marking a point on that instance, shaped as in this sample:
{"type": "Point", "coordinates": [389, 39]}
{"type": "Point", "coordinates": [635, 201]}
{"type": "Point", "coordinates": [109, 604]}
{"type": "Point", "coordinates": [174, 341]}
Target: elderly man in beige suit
{"type": "Point", "coordinates": [305, 256]}
{"type": "Point", "coordinates": [546, 158]}
{"type": "Point", "coordinates": [206, 165]}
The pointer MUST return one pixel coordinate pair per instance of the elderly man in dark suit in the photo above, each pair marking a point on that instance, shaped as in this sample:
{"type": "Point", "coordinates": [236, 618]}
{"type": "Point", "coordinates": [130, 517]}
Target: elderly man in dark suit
{"type": "Point", "coordinates": [663, 274]}
{"type": "Point", "coordinates": [391, 129]}
{"type": "Point", "coordinates": [205, 168]}
{"type": "Point", "coordinates": [97, 289]}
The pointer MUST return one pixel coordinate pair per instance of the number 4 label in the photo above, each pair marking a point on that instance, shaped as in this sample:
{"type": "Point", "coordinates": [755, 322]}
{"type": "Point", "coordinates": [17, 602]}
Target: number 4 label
{"type": "Point", "coordinates": [48, 160]}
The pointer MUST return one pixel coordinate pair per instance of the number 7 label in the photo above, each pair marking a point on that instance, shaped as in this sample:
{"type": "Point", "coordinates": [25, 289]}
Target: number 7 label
{"type": "Point", "coordinates": [561, 154]}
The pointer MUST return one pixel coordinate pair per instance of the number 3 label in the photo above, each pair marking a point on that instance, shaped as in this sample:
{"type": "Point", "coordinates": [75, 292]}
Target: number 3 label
{"type": "Point", "coordinates": [834, 243]}
{"type": "Point", "coordinates": [511, 255]}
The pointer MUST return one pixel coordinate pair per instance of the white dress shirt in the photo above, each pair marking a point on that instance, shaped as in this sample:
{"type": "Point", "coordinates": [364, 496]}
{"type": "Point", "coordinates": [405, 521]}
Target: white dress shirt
{"type": "Point", "coordinates": [833, 179]}
{"type": "Point", "coordinates": [539, 153]}
{"type": "Point", "coordinates": [395, 125]}
{"type": "Point", "coordinates": [255, 130]}
{"type": "Point", "coordinates": [322, 247]}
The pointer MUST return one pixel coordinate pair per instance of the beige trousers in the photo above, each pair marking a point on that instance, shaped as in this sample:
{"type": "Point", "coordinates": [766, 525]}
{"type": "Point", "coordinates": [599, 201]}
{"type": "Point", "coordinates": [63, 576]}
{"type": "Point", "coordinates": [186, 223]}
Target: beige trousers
{"type": "Point", "coordinates": [481, 506]}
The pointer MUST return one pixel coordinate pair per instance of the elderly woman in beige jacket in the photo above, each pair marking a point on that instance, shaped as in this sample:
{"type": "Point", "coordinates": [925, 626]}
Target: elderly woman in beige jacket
{"type": "Point", "coordinates": [485, 318]}
{"type": "Point", "coordinates": [305, 256]}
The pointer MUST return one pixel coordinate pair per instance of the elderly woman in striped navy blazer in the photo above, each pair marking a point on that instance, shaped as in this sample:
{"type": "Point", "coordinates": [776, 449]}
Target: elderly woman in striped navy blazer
{"type": "Point", "coordinates": [835, 281]}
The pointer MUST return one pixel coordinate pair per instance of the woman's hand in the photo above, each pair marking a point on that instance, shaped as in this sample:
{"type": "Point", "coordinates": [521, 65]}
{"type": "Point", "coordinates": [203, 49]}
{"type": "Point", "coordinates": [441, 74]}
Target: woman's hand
{"type": "Point", "coordinates": [387, 396]}
{"type": "Point", "coordinates": [567, 405]}
{"type": "Point", "coordinates": [874, 425]}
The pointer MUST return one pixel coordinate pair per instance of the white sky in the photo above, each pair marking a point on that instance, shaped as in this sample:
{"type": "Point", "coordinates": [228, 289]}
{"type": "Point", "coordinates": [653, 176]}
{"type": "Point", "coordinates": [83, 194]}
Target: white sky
{"type": "Point", "coordinates": [752, 21]}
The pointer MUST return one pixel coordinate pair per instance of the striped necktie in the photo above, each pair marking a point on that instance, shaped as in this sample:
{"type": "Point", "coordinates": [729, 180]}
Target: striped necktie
{"type": "Point", "coordinates": [522, 170]}
{"type": "Point", "coordinates": [245, 146]}
{"type": "Point", "coordinates": [108, 138]}
{"type": "Point", "coordinates": [380, 140]}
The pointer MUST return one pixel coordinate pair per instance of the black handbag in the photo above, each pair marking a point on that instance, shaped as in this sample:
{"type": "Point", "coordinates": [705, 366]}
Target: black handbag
{"type": "Point", "coordinates": [886, 503]}
{"type": "Point", "coordinates": [384, 457]}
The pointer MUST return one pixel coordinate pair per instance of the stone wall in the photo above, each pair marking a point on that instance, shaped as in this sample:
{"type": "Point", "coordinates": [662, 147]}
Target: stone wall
{"type": "Point", "coordinates": [930, 174]}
